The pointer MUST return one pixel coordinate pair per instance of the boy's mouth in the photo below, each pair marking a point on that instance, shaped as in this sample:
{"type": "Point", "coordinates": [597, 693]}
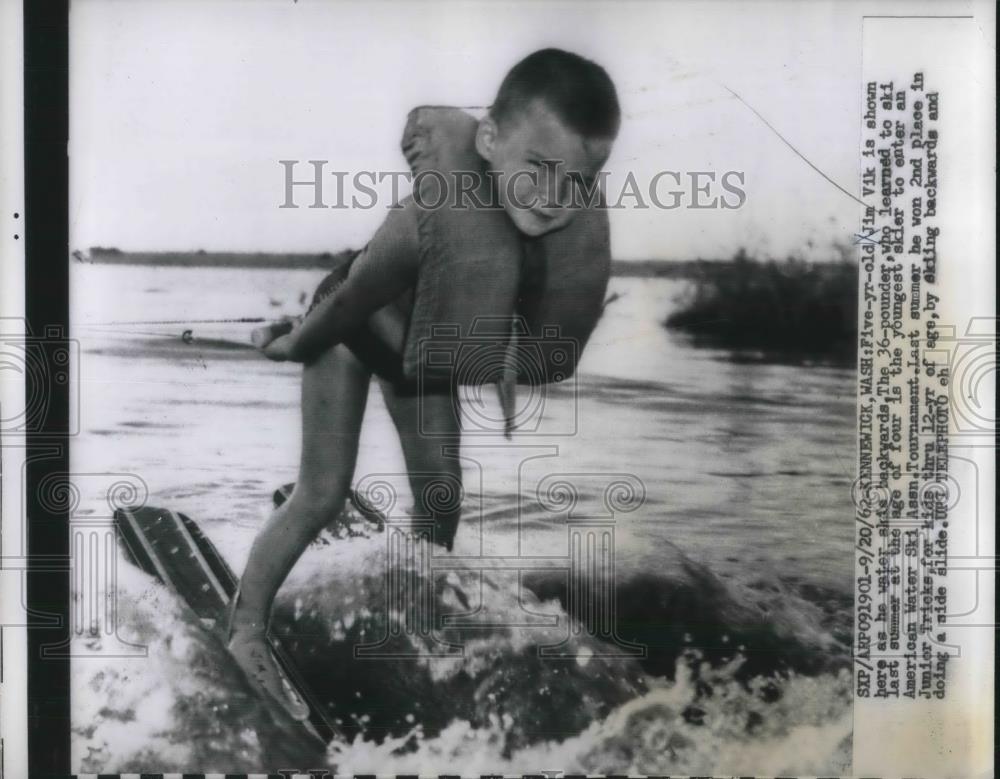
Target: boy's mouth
{"type": "Point", "coordinates": [542, 216]}
{"type": "Point", "coordinates": [537, 222]}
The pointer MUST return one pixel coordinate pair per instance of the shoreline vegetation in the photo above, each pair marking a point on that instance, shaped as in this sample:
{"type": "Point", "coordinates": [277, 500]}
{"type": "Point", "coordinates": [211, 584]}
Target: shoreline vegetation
{"type": "Point", "coordinates": [761, 308]}
{"type": "Point", "coordinates": [788, 309]}
{"type": "Point", "coordinates": [298, 261]}
{"type": "Point", "coordinates": [202, 259]}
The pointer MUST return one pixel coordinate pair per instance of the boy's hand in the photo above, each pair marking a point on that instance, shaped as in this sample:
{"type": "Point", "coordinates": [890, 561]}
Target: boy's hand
{"type": "Point", "coordinates": [277, 340]}
{"type": "Point", "coordinates": [262, 336]}
{"type": "Point", "coordinates": [281, 349]}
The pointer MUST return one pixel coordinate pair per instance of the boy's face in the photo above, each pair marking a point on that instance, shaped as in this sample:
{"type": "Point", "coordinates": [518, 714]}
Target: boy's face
{"type": "Point", "coordinates": [536, 193]}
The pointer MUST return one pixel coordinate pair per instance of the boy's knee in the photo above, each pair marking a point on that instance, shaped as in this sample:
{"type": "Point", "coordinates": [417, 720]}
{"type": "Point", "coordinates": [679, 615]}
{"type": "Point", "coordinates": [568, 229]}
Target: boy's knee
{"type": "Point", "coordinates": [318, 504]}
{"type": "Point", "coordinates": [440, 413]}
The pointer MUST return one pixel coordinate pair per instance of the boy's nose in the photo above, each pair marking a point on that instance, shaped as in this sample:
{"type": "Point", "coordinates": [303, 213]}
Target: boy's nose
{"type": "Point", "coordinates": [551, 200]}
{"type": "Point", "coordinates": [553, 190]}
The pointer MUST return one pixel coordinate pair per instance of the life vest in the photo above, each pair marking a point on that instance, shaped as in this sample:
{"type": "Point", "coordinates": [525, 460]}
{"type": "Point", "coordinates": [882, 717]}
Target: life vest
{"type": "Point", "coordinates": [491, 303]}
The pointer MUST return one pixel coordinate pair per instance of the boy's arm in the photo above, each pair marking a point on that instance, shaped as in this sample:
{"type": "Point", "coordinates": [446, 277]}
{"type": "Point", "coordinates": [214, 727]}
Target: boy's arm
{"type": "Point", "coordinates": [379, 275]}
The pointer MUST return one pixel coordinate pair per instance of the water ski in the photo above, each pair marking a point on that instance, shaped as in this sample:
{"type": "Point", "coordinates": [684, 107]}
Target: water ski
{"type": "Point", "coordinates": [172, 548]}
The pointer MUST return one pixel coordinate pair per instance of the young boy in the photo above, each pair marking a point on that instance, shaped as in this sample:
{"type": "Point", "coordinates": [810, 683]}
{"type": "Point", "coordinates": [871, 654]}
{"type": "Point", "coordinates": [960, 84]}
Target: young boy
{"type": "Point", "coordinates": [552, 106]}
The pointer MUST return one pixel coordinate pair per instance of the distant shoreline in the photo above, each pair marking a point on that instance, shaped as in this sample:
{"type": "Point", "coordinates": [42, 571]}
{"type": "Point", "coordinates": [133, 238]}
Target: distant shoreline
{"type": "Point", "coordinates": [326, 260]}
{"type": "Point", "coordinates": [202, 259]}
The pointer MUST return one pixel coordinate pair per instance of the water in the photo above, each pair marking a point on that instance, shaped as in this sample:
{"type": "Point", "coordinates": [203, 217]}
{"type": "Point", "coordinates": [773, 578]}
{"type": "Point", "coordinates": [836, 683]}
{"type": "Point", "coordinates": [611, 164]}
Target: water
{"type": "Point", "coordinates": [735, 571]}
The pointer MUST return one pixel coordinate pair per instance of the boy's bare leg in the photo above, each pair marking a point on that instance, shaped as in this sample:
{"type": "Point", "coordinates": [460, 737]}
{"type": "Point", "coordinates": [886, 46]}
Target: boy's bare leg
{"type": "Point", "coordinates": [334, 395]}
{"type": "Point", "coordinates": [432, 473]}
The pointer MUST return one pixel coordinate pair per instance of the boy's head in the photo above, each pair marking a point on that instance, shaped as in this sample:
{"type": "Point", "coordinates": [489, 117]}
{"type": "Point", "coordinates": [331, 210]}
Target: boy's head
{"type": "Point", "coordinates": [552, 107]}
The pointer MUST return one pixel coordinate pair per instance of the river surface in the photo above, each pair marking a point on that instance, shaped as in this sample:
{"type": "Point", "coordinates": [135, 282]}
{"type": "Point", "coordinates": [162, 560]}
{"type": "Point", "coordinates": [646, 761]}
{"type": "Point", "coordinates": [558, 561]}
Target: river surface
{"type": "Point", "coordinates": [737, 472]}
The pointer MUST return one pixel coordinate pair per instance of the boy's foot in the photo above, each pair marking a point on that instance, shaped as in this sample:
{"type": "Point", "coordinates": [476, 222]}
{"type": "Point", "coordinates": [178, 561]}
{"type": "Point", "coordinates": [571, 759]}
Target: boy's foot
{"type": "Point", "coordinates": [254, 656]}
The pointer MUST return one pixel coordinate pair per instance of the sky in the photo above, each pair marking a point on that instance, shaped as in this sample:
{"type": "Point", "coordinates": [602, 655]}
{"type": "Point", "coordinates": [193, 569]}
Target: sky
{"type": "Point", "coordinates": [180, 111]}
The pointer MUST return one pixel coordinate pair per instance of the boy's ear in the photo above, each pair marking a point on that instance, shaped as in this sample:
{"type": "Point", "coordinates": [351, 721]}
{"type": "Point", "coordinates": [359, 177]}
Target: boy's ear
{"type": "Point", "coordinates": [486, 138]}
